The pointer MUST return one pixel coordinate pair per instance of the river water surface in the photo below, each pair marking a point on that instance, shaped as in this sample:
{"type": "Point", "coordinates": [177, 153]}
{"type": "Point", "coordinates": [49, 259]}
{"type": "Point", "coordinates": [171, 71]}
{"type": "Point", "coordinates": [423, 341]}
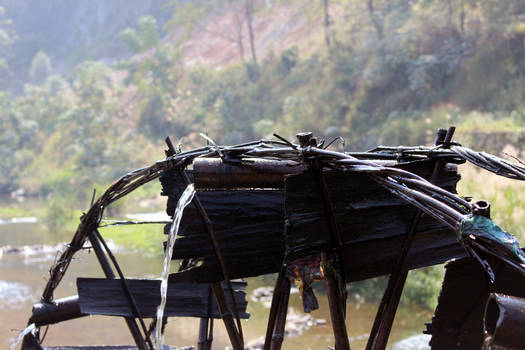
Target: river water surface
{"type": "Point", "coordinates": [23, 277]}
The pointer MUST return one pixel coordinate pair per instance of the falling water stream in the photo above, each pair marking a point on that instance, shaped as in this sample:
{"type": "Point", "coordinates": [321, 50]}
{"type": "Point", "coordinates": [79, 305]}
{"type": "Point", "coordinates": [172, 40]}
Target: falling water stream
{"type": "Point", "coordinates": [21, 336]}
{"type": "Point", "coordinates": [184, 200]}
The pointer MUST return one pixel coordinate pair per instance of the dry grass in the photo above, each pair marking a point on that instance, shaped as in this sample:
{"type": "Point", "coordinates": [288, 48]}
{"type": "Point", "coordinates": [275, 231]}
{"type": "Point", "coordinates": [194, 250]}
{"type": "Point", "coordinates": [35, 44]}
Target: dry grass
{"type": "Point", "coordinates": [507, 206]}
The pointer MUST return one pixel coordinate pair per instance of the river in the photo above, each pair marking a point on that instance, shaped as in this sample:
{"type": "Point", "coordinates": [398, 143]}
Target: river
{"type": "Point", "coordinates": [23, 276]}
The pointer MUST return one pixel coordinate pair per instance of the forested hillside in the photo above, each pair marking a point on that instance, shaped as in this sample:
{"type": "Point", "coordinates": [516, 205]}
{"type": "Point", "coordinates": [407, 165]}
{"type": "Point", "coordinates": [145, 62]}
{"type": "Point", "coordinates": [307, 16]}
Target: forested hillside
{"type": "Point", "coordinates": [370, 71]}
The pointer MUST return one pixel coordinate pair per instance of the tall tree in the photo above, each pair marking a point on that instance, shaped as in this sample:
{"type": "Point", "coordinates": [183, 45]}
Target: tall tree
{"type": "Point", "coordinates": [192, 16]}
{"type": "Point", "coordinates": [40, 67]}
{"type": "Point", "coordinates": [326, 23]}
{"type": "Point", "coordinates": [248, 5]}
{"type": "Point", "coordinates": [376, 21]}
{"type": "Point", "coordinates": [154, 75]}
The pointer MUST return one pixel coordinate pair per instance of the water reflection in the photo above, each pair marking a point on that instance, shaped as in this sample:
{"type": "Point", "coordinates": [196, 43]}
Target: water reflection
{"type": "Point", "coordinates": [14, 294]}
{"type": "Point", "coordinates": [24, 220]}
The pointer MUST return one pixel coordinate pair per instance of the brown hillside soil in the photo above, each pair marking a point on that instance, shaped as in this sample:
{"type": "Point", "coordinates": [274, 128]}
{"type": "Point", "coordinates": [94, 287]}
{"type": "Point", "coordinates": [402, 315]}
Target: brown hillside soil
{"type": "Point", "coordinates": [275, 28]}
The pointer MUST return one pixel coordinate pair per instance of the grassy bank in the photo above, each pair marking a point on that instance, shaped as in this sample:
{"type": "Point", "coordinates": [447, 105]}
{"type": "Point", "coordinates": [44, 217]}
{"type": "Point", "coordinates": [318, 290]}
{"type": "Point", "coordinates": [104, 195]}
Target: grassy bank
{"type": "Point", "coordinates": [147, 239]}
{"type": "Point", "coordinates": [17, 212]}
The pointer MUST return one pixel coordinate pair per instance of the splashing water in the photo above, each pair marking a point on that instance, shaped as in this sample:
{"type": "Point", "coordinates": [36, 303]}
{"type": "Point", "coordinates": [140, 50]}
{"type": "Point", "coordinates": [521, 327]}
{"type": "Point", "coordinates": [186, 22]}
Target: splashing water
{"type": "Point", "coordinates": [184, 200]}
{"type": "Point", "coordinates": [21, 336]}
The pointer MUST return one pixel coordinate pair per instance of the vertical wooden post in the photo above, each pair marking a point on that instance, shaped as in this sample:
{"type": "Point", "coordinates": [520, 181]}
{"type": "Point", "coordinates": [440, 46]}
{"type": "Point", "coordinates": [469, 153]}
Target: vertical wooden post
{"type": "Point", "coordinates": [206, 327]}
{"type": "Point", "coordinates": [336, 307]}
{"type": "Point", "coordinates": [278, 331]}
{"type": "Point", "coordinates": [274, 308]}
{"type": "Point", "coordinates": [336, 292]}
{"type": "Point", "coordinates": [203, 334]}
{"type": "Point", "coordinates": [109, 273]}
{"type": "Point", "coordinates": [217, 250]}
{"type": "Point", "coordinates": [388, 307]}
{"type": "Point", "coordinates": [226, 316]}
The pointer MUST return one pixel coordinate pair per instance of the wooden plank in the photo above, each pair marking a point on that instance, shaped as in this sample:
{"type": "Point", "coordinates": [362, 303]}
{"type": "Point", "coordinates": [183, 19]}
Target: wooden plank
{"type": "Point", "coordinates": [458, 319]}
{"type": "Point", "coordinates": [99, 296]}
{"type": "Point", "coordinates": [368, 259]}
{"type": "Point", "coordinates": [364, 212]}
{"type": "Point", "coordinates": [249, 225]}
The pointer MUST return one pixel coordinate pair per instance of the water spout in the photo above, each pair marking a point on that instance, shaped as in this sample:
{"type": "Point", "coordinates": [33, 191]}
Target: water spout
{"type": "Point", "coordinates": [184, 200]}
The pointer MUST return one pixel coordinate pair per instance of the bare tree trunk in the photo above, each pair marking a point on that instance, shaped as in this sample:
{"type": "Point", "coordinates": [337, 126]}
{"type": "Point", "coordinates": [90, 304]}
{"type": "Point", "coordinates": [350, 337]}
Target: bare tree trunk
{"type": "Point", "coordinates": [240, 24]}
{"type": "Point", "coordinates": [326, 23]}
{"type": "Point", "coordinates": [248, 5]}
{"type": "Point", "coordinates": [462, 18]}
{"type": "Point", "coordinates": [241, 46]}
{"type": "Point", "coordinates": [375, 20]}
{"type": "Point", "coordinates": [449, 5]}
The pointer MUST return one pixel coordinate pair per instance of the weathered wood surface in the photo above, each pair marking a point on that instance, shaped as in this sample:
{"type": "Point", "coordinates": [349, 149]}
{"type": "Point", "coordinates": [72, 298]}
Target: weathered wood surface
{"type": "Point", "coordinates": [58, 311]}
{"type": "Point", "coordinates": [255, 173]}
{"type": "Point", "coordinates": [373, 223]}
{"type": "Point", "coordinates": [249, 225]}
{"type": "Point", "coordinates": [99, 296]}
{"type": "Point", "coordinates": [504, 321]}
{"type": "Point", "coordinates": [458, 320]}
{"type": "Point", "coordinates": [368, 259]}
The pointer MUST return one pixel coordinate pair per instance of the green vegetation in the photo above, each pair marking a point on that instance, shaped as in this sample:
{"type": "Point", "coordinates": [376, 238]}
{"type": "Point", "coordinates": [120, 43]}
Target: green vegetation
{"type": "Point", "coordinates": [16, 212]}
{"type": "Point", "coordinates": [385, 72]}
{"type": "Point", "coordinates": [40, 68]}
{"type": "Point", "coordinates": [147, 239]}
{"type": "Point", "coordinates": [507, 207]}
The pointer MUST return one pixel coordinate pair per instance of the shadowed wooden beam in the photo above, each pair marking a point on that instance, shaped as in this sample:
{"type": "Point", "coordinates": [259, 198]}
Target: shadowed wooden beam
{"type": "Point", "coordinates": [504, 321]}
{"type": "Point", "coordinates": [100, 296]}
{"type": "Point", "coordinates": [458, 319]}
{"type": "Point", "coordinates": [373, 223]}
{"type": "Point", "coordinates": [57, 311]}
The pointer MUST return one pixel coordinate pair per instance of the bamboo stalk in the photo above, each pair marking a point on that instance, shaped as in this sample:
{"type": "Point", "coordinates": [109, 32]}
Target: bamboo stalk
{"type": "Point", "coordinates": [227, 317]}
{"type": "Point", "coordinates": [278, 333]}
{"type": "Point", "coordinates": [504, 321]}
{"type": "Point", "coordinates": [274, 308]}
{"type": "Point", "coordinates": [108, 272]}
{"type": "Point", "coordinates": [387, 309]}
{"type": "Point", "coordinates": [217, 250]}
{"type": "Point", "coordinates": [334, 303]}
{"type": "Point", "coordinates": [132, 325]}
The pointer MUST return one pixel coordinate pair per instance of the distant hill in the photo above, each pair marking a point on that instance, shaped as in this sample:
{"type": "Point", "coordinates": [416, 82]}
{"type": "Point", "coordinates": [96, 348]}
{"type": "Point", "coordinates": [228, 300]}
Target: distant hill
{"type": "Point", "coordinates": [71, 32]}
{"type": "Point", "coordinates": [74, 31]}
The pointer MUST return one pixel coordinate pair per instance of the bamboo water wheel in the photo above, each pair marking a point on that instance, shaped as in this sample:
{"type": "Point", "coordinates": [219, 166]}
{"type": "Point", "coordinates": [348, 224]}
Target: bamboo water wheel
{"type": "Point", "coordinates": [302, 212]}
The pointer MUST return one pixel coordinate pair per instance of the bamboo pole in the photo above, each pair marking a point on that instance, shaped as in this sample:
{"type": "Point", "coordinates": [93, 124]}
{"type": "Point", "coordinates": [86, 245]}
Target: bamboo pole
{"type": "Point", "coordinates": [278, 333]}
{"type": "Point", "coordinates": [217, 250]}
{"type": "Point", "coordinates": [274, 308]}
{"type": "Point", "coordinates": [227, 316]}
{"type": "Point", "coordinates": [95, 240]}
{"type": "Point", "coordinates": [388, 307]}
{"type": "Point", "coordinates": [504, 322]}
{"type": "Point", "coordinates": [206, 327]}
{"type": "Point", "coordinates": [56, 311]}
{"type": "Point", "coordinates": [336, 308]}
